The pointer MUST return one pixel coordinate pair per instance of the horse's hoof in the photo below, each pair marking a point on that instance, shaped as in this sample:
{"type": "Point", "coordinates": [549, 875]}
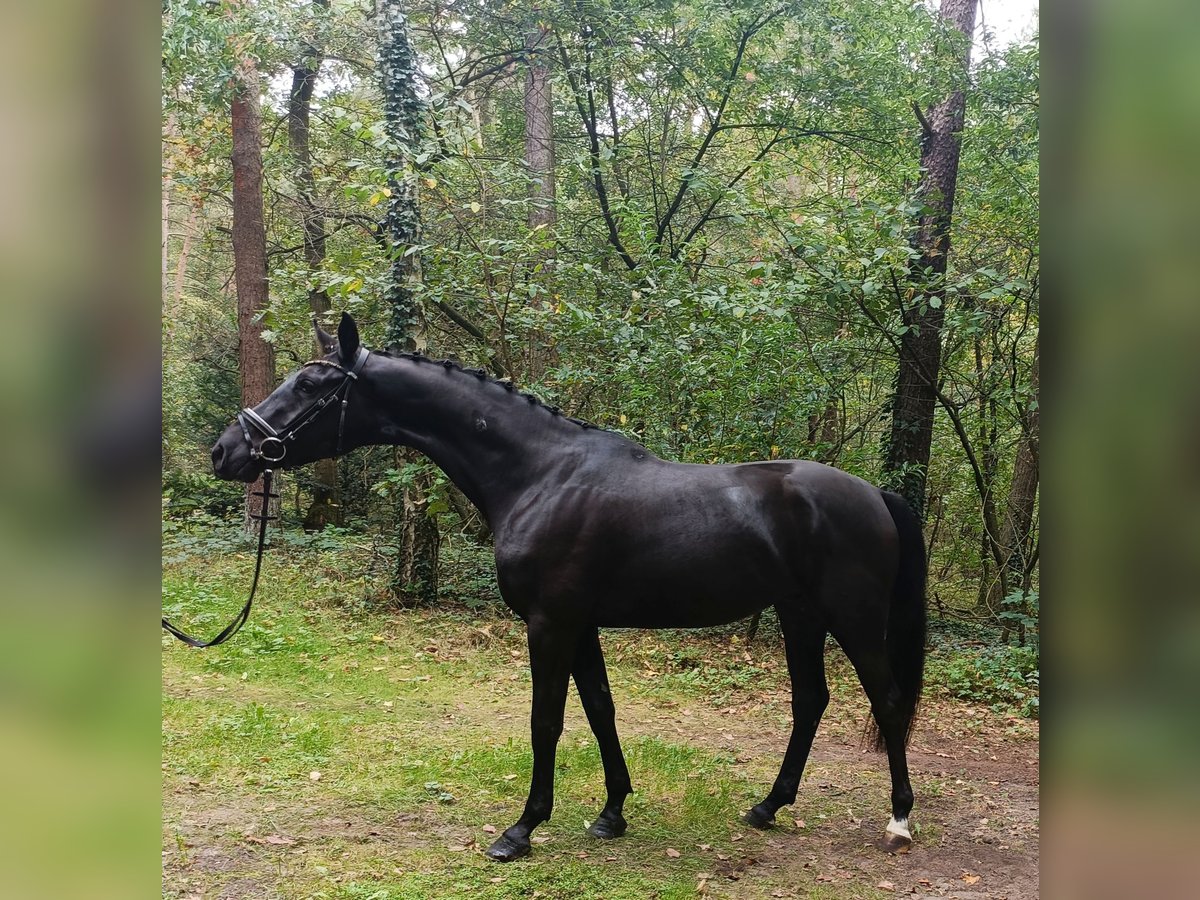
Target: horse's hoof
{"type": "Point", "coordinates": [897, 838]}
{"type": "Point", "coordinates": [607, 828]}
{"type": "Point", "coordinates": [506, 849]}
{"type": "Point", "coordinates": [759, 817]}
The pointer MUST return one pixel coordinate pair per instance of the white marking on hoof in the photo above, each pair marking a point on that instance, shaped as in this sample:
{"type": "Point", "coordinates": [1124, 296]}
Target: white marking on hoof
{"type": "Point", "coordinates": [899, 827]}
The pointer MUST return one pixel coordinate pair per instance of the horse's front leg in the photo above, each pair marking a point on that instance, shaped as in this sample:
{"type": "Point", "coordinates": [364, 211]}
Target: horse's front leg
{"type": "Point", "coordinates": [551, 652]}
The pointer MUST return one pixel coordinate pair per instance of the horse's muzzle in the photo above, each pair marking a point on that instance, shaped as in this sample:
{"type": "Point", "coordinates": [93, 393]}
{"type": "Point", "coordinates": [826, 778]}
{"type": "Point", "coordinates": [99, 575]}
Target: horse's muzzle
{"type": "Point", "coordinates": [232, 460]}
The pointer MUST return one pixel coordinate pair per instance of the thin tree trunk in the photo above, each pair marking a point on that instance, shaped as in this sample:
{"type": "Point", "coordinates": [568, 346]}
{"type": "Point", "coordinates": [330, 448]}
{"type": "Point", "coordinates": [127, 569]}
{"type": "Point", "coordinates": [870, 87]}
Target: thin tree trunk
{"type": "Point", "coordinates": [824, 429]}
{"type": "Point", "coordinates": [539, 126]}
{"type": "Point", "coordinates": [168, 186]}
{"type": "Point", "coordinates": [189, 230]}
{"type": "Point", "coordinates": [256, 362]}
{"type": "Point", "coordinates": [168, 183]}
{"type": "Point", "coordinates": [326, 503]}
{"type": "Point", "coordinates": [416, 576]}
{"type": "Point", "coordinates": [1016, 532]}
{"type": "Point", "coordinates": [539, 163]}
{"type": "Point", "coordinates": [907, 459]}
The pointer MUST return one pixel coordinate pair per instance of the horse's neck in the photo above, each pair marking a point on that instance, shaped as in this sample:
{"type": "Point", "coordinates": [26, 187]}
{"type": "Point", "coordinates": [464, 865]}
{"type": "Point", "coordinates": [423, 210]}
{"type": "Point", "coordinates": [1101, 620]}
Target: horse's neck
{"type": "Point", "coordinates": [492, 443]}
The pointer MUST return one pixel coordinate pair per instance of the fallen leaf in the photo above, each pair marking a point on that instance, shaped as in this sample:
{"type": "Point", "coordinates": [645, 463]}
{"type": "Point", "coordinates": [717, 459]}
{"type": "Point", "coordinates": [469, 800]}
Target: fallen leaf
{"type": "Point", "coordinates": [736, 837]}
{"type": "Point", "coordinates": [583, 854]}
{"type": "Point", "coordinates": [314, 775]}
{"type": "Point", "coordinates": [800, 823]}
{"type": "Point", "coordinates": [969, 878]}
{"type": "Point", "coordinates": [673, 853]}
{"type": "Point", "coordinates": [509, 777]}
{"type": "Point", "coordinates": [886, 886]}
{"type": "Point", "coordinates": [610, 859]}
{"type": "Point", "coordinates": [490, 829]}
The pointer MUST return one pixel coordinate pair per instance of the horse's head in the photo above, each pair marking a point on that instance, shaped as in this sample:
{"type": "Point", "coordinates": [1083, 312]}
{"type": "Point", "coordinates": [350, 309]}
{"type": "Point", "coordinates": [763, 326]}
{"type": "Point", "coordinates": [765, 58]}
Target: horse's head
{"type": "Point", "coordinates": [311, 416]}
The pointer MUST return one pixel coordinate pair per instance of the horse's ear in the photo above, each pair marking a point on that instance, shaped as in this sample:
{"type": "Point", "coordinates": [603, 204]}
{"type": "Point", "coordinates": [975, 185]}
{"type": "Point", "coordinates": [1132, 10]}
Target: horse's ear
{"type": "Point", "coordinates": [348, 338]}
{"type": "Point", "coordinates": [326, 341]}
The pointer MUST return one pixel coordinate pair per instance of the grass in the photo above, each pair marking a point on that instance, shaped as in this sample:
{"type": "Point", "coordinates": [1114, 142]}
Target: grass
{"type": "Point", "coordinates": [331, 752]}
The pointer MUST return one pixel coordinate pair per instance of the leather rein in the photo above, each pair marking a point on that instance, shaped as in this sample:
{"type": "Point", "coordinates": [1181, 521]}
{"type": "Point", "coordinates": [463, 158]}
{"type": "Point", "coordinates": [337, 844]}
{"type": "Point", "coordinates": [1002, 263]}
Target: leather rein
{"type": "Point", "coordinates": [271, 450]}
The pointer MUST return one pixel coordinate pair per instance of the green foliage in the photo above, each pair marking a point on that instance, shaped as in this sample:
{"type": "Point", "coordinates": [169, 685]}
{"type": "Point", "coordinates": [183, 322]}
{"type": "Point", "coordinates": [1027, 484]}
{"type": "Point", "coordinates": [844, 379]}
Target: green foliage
{"type": "Point", "coordinates": [1020, 611]}
{"type": "Point", "coordinates": [187, 492]}
{"type": "Point", "coordinates": [740, 297]}
{"type": "Point", "coordinates": [997, 675]}
{"type": "Point", "coordinates": [468, 575]}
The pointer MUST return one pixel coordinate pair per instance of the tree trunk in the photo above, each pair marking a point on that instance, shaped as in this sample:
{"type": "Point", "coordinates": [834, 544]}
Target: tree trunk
{"type": "Point", "coordinates": [256, 362]}
{"type": "Point", "coordinates": [539, 126]}
{"type": "Point", "coordinates": [168, 183]}
{"type": "Point", "coordinates": [416, 577]}
{"type": "Point", "coordinates": [1016, 532]}
{"type": "Point", "coordinates": [824, 429]}
{"type": "Point", "coordinates": [906, 462]}
{"type": "Point", "coordinates": [181, 265]}
{"type": "Point", "coordinates": [326, 503]}
{"type": "Point", "coordinates": [539, 162]}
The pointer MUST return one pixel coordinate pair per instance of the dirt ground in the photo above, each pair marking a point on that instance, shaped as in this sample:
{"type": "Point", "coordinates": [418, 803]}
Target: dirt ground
{"type": "Point", "coordinates": [975, 775]}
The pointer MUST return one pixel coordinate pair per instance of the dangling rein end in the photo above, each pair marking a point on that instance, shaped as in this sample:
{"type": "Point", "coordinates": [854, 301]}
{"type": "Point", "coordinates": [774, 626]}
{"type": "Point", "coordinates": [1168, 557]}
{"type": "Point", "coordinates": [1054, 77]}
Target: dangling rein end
{"type": "Point", "coordinates": [263, 516]}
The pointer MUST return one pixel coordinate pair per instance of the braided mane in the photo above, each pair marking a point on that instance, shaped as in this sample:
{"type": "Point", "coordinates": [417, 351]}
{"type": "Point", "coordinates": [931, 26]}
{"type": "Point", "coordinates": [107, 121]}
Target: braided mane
{"type": "Point", "coordinates": [483, 376]}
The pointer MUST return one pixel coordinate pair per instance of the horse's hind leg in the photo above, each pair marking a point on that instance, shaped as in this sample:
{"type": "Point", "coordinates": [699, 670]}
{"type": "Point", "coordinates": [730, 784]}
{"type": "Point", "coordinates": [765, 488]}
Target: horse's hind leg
{"type": "Point", "coordinates": [870, 660]}
{"type": "Point", "coordinates": [592, 681]}
{"type": "Point", "coordinates": [804, 640]}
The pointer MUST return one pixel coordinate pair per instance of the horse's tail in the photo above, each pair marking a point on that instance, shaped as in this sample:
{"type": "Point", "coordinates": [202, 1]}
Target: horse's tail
{"type": "Point", "coordinates": [906, 617]}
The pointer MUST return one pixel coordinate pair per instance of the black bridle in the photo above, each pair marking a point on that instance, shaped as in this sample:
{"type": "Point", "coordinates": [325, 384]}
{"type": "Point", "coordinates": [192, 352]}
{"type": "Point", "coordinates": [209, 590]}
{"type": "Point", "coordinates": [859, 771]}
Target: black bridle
{"type": "Point", "coordinates": [277, 440]}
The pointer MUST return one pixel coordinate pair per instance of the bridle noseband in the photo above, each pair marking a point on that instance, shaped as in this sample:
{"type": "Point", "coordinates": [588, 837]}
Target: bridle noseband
{"type": "Point", "coordinates": [273, 447]}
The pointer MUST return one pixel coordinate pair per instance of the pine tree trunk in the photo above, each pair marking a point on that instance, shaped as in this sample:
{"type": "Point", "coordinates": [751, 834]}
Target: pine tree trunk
{"type": "Point", "coordinates": [416, 577]}
{"type": "Point", "coordinates": [256, 362]}
{"type": "Point", "coordinates": [325, 508]}
{"type": "Point", "coordinates": [907, 459]}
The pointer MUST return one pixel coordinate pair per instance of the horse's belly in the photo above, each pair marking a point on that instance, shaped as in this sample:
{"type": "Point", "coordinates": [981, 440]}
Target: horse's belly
{"type": "Point", "coordinates": [690, 594]}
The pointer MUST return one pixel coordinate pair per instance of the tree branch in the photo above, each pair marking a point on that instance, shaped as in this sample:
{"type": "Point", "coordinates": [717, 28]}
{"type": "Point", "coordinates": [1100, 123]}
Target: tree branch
{"type": "Point", "coordinates": [714, 127]}
{"type": "Point", "coordinates": [926, 128]}
{"type": "Point", "coordinates": [588, 115]}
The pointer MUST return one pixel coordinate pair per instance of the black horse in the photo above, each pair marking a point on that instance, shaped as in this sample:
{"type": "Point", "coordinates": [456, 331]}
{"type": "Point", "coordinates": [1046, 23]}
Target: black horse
{"type": "Point", "coordinates": [594, 531]}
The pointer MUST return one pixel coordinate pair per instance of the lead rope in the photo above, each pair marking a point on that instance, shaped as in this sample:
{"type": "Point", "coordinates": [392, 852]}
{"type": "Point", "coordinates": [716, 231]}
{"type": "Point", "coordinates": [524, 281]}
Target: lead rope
{"type": "Point", "coordinates": [239, 620]}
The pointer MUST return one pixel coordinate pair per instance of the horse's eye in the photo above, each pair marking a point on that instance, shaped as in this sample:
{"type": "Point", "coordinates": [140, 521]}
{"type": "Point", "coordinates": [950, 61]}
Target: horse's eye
{"type": "Point", "coordinates": [305, 386]}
